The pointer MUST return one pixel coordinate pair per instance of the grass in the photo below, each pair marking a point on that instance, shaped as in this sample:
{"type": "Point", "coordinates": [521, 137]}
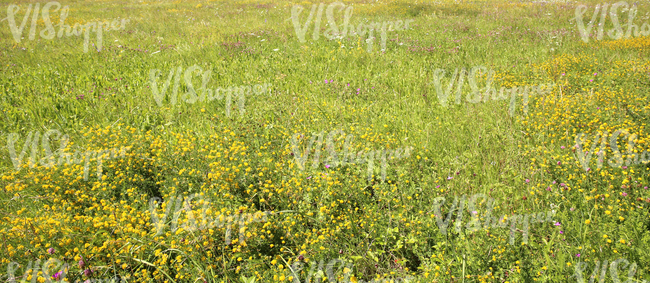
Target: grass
{"type": "Point", "coordinates": [387, 229]}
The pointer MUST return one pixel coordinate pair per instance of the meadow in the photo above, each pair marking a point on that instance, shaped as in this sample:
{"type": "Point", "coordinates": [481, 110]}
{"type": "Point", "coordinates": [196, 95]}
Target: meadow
{"type": "Point", "coordinates": [525, 163]}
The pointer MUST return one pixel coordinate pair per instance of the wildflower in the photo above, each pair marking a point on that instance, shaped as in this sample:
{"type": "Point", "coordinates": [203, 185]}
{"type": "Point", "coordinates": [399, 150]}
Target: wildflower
{"type": "Point", "coordinates": [50, 251]}
{"type": "Point", "coordinates": [557, 224]}
{"type": "Point", "coordinates": [449, 177]}
{"type": "Point", "coordinates": [624, 194]}
{"type": "Point", "coordinates": [578, 255]}
{"type": "Point", "coordinates": [82, 263]}
{"type": "Point", "coordinates": [562, 147]}
{"type": "Point", "coordinates": [57, 276]}
{"type": "Point", "coordinates": [527, 181]}
{"type": "Point", "coordinates": [88, 272]}
{"type": "Point", "coordinates": [559, 163]}
{"type": "Point", "coordinates": [327, 166]}
{"type": "Point", "coordinates": [325, 81]}
{"type": "Point", "coordinates": [309, 177]}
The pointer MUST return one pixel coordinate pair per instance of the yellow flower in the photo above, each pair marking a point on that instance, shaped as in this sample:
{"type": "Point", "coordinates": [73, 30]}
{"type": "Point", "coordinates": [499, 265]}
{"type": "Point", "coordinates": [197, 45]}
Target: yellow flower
{"type": "Point", "coordinates": [587, 221]}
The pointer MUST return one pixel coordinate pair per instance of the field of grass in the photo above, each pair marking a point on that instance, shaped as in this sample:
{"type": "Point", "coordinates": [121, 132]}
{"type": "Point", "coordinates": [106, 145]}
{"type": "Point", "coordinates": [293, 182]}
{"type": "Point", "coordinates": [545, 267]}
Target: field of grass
{"type": "Point", "coordinates": [242, 161]}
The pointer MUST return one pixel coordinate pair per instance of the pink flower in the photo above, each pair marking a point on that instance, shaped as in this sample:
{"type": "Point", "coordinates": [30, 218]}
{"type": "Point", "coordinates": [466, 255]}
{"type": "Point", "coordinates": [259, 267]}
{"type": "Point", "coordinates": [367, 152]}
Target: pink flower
{"type": "Point", "coordinates": [562, 147]}
{"type": "Point", "coordinates": [527, 181]}
{"type": "Point", "coordinates": [50, 251]}
{"type": "Point", "coordinates": [559, 163]}
{"type": "Point", "coordinates": [82, 263]}
{"type": "Point", "coordinates": [624, 194]}
{"type": "Point", "coordinates": [327, 166]}
{"type": "Point", "coordinates": [309, 177]}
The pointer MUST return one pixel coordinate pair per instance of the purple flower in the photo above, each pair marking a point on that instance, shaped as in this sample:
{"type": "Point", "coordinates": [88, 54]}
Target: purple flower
{"type": "Point", "coordinates": [624, 194]}
{"type": "Point", "coordinates": [562, 185]}
{"type": "Point", "coordinates": [348, 84]}
{"type": "Point", "coordinates": [88, 272]}
{"type": "Point", "coordinates": [562, 147]}
{"type": "Point", "coordinates": [82, 263]}
{"type": "Point", "coordinates": [57, 276]}
{"type": "Point", "coordinates": [438, 186]}
{"type": "Point", "coordinates": [557, 224]}
{"type": "Point", "coordinates": [309, 177]}
{"type": "Point", "coordinates": [527, 181]}
{"type": "Point", "coordinates": [327, 166]}
{"type": "Point", "coordinates": [559, 163]}
{"type": "Point", "coordinates": [561, 232]}
{"type": "Point", "coordinates": [50, 251]}
{"type": "Point", "coordinates": [325, 81]}
{"type": "Point", "coordinates": [449, 177]}
{"type": "Point", "coordinates": [563, 74]}
{"type": "Point", "coordinates": [578, 255]}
